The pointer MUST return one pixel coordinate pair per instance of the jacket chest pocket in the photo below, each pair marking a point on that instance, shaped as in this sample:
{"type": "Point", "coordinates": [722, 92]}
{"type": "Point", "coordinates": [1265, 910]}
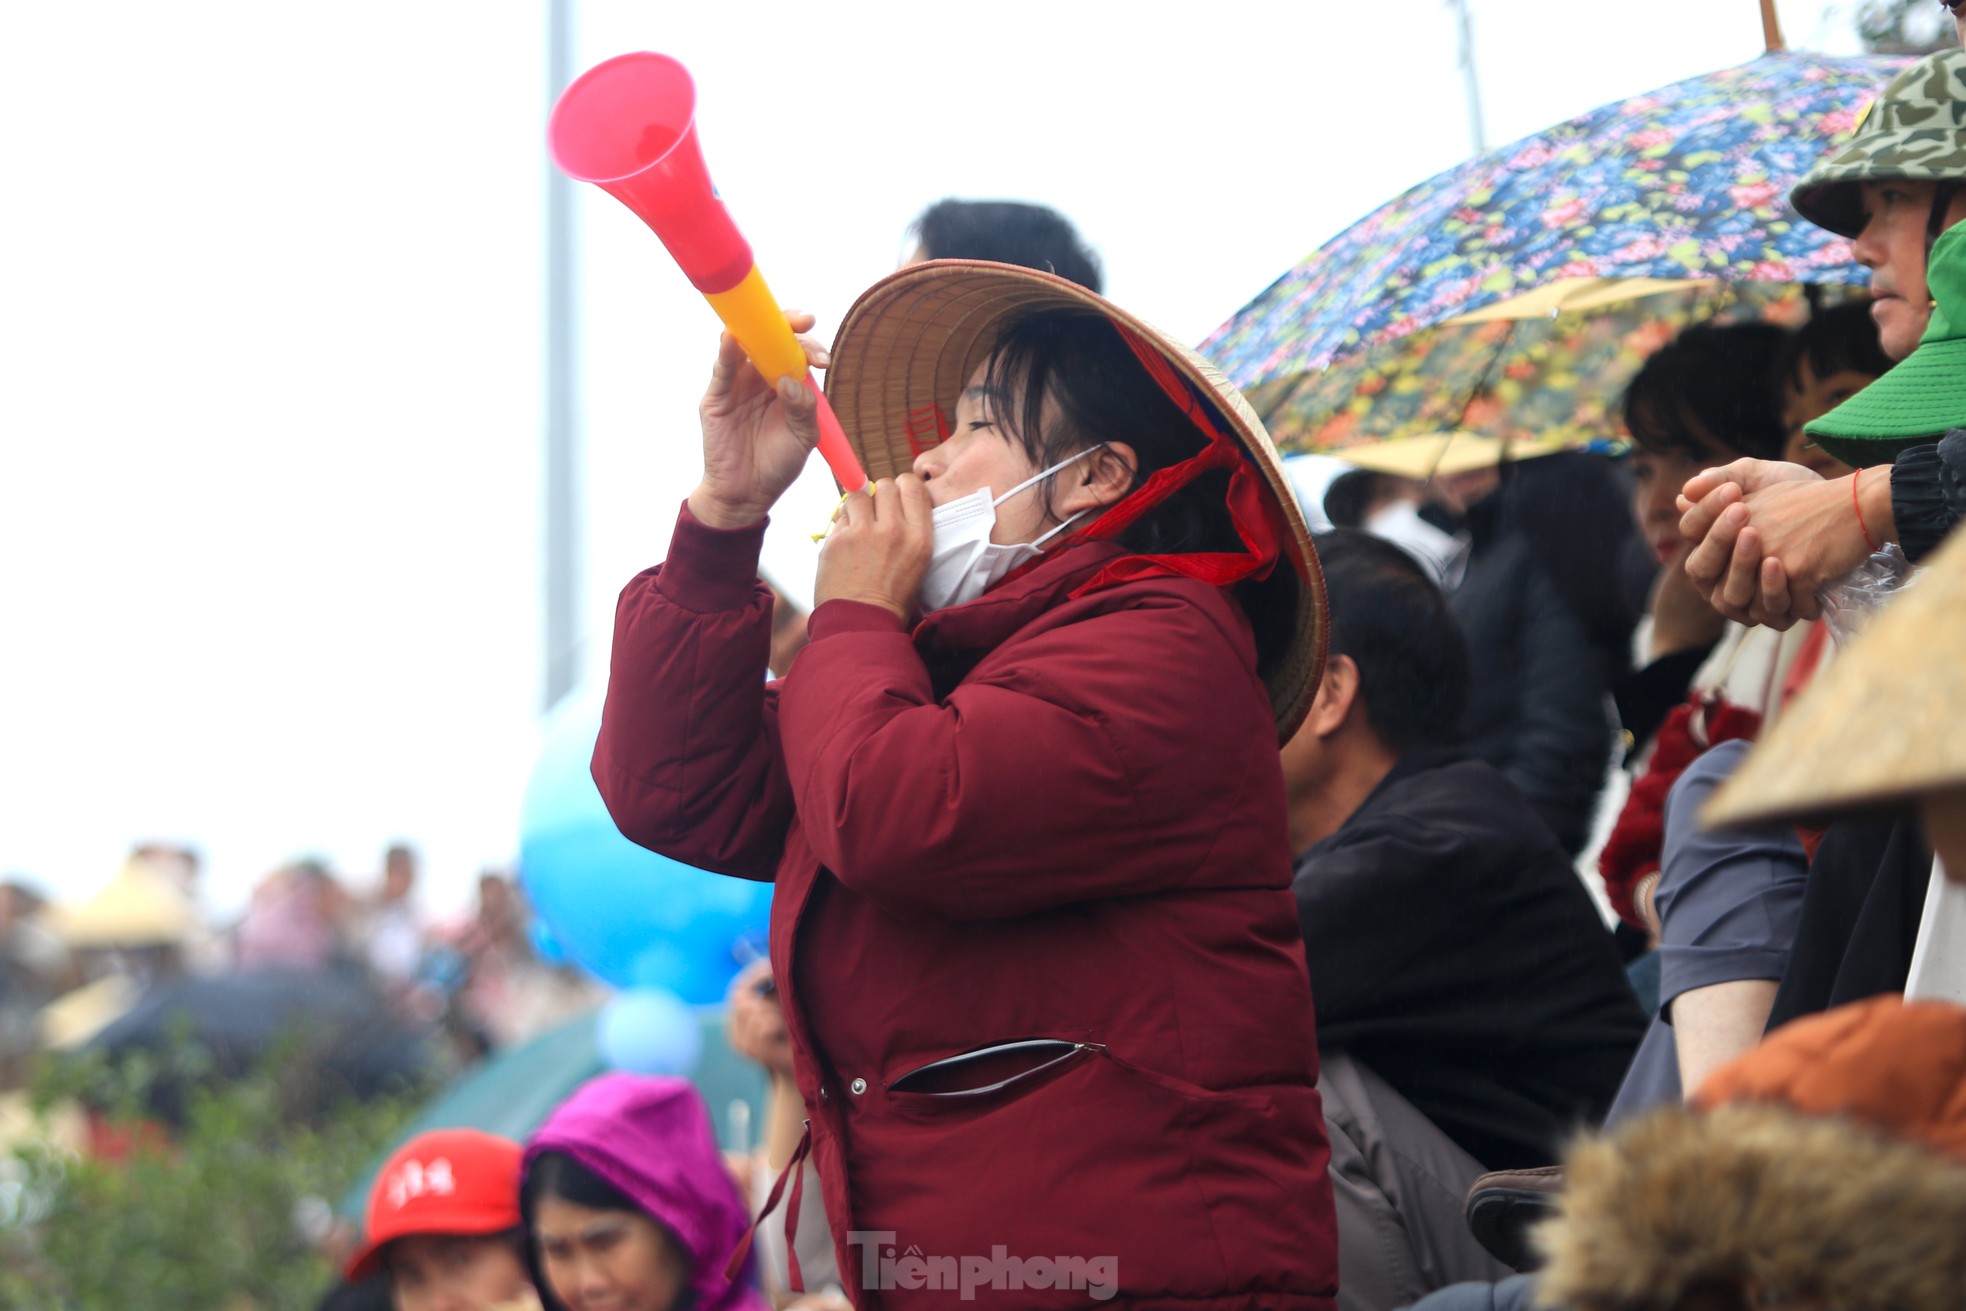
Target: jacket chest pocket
{"type": "Point", "coordinates": [1060, 1149]}
{"type": "Point", "coordinates": [1001, 1069]}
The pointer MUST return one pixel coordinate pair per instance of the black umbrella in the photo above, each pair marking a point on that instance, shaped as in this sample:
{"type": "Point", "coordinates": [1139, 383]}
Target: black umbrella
{"type": "Point", "coordinates": [326, 1035]}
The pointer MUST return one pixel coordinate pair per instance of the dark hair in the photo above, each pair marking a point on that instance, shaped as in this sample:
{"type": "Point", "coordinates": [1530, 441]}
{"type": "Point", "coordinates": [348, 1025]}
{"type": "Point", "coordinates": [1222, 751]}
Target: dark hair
{"type": "Point", "coordinates": [1838, 338]}
{"type": "Point", "coordinates": [1576, 513]}
{"type": "Point", "coordinates": [1388, 616]}
{"type": "Point", "coordinates": [371, 1294]}
{"type": "Point", "coordinates": [1030, 236]}
{"type": "Point", "coordinates": [1712, 390]}
{"type": "Point", "coordinates": [1349, 496]}
{"type": "Point", "coordinates": [514, 1238]}
{"type": "Point", "coordinates": [1077, 360]}
{"type": "Point", "coordinates": [556, 1174]}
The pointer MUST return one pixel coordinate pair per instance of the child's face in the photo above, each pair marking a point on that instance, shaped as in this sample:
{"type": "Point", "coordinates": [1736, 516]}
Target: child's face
{"type": "Point", "coordinates": [1810, 397]}
{"type": "Point", "coordinates": [456, 1272]}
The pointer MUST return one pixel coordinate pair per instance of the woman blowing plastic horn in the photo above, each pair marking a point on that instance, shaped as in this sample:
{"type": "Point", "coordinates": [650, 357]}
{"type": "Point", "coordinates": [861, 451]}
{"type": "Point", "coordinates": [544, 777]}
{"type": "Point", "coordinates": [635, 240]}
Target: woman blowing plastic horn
{"type": "Point", "coordinates": [1020, 795]}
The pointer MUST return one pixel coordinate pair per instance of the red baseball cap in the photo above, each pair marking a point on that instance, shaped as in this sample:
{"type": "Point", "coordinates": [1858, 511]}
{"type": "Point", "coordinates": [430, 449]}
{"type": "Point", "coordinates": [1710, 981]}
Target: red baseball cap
{"type": "Point", "coordinates": [447, 1181]}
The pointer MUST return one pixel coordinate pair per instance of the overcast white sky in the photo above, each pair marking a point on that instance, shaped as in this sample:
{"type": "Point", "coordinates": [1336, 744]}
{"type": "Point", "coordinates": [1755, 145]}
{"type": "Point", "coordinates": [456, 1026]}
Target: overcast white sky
{"type": "Point", "coordinates": [271, 293]}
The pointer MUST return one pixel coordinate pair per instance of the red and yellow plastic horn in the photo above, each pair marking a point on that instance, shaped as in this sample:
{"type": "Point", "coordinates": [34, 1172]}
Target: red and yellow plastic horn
{"type": "Point", "coordinates": [629, 127]}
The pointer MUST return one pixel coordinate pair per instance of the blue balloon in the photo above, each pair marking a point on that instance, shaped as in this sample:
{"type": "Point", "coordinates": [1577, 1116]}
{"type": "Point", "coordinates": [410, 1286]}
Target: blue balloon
{"type": "Point", "coordinates": [627, 915]}
{"type": "Point", "coordinates": [649, 1031]}
{"type": "Point", "coordinates": [544, 944]}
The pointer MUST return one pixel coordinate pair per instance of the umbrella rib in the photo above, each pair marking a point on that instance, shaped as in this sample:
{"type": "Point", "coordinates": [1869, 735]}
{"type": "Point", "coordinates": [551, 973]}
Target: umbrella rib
{"type": "Point", "coordinates": [1475, 393]}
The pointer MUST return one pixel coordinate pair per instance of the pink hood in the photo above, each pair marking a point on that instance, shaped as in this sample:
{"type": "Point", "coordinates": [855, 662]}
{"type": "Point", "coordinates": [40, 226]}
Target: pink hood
{"type": "Point", "coordinates": [651, 1139]}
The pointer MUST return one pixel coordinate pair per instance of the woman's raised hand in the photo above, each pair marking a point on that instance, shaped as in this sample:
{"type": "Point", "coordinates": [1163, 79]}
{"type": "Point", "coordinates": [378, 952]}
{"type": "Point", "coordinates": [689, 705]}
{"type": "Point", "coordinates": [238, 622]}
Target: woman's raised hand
{"type": "Point", "coordinates": [879, 547]}
{"type": "Point", "coordinates": [755, 436]}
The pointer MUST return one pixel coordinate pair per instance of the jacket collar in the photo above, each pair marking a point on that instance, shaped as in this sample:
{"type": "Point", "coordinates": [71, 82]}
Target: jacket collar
{"type": "Point", "coordinates": [1412, 763]}
{"type": "Point", "coordinates": [983, 624]}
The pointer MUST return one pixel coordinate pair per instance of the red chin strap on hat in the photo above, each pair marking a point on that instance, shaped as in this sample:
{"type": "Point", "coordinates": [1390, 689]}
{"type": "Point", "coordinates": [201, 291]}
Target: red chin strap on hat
{"type": "Point", "coordinates": [1258, 520]}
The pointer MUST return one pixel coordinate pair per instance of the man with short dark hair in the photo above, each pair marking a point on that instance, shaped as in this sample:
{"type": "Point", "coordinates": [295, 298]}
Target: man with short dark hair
{"type": "Point", "coordinates": [1452, 947]}
{"type": "Point", "coordinates": [1007, 231]}
{"type": "Point", "coordinates": [1471, 1009]}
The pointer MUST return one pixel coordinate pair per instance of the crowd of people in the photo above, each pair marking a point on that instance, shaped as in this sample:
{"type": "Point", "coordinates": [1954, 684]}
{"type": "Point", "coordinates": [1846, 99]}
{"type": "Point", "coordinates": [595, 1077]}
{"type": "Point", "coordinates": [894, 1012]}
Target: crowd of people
{"type": "Point", "coordinates": [79, 974]}
{"type": "Point", "coordinates": [1176, 907]}
{"type": "Point", "coordinates": [1030, 869]}
{"type": "Point", "coordinates": [1180, 909]}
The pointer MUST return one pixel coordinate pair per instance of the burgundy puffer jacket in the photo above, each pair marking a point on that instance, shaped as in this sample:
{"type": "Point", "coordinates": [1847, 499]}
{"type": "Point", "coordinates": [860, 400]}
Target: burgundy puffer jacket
{"type": "Point", "coordinates": [1034, 818]}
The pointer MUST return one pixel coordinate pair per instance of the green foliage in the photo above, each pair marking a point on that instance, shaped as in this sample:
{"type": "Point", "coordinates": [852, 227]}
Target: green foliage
{"type": "Point", "coordinates": [217, 1218]}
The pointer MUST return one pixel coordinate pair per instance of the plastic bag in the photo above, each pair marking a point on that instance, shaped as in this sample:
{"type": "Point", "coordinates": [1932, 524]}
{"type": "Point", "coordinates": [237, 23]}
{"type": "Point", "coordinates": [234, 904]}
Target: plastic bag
{"type": "Point", "coordinates": [1850, 601]}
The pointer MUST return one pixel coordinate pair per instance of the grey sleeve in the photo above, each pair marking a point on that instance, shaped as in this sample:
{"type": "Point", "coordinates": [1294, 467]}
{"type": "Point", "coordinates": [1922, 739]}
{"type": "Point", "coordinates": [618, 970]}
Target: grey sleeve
{"type": "Point", "coordinates": [1728, 899]}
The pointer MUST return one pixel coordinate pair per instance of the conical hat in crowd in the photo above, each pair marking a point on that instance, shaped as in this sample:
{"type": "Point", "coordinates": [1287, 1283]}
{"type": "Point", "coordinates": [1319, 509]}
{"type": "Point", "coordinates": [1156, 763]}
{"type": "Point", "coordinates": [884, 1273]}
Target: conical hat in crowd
{"type": "Point", "coordinates": [1885, 721]}
{"type": "Point", "coordinates": [907, 348]}
{"type": "Point", "coordinates": [1442, 454]}
{"type": "Point", "coordinates": [139, 907]}
{"type": "Point", "coordinates": [1915, 132]}
{"type": "Point", "coordinates": [72, 1019]}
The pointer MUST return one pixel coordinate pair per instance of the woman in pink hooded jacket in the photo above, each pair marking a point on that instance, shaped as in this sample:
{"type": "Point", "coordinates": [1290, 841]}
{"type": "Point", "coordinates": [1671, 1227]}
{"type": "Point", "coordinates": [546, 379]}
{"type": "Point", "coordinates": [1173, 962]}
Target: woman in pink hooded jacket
{"type": "Point", "coordinates": [628, 1206]}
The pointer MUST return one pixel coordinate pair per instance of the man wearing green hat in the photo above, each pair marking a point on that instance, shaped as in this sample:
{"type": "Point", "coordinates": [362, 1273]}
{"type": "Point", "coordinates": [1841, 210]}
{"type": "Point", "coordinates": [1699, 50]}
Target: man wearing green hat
{"type": "Point", "coordinates": [1770, 535]}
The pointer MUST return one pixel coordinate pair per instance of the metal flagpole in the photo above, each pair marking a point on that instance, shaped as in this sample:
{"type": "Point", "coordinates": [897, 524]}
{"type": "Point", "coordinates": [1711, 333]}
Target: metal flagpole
{"type": "Point", "coordinates": [562, 509]}
{"type": "Point", "coordinates": [1476, 131]}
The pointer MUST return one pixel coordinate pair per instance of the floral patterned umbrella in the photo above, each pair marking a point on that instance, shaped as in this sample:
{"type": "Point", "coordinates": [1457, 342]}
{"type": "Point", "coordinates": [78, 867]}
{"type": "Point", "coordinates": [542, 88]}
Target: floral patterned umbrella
{"type": "Point", "coordinates": [1684, 184]}
{"type": "Point", "coordinates": [1556, 378]}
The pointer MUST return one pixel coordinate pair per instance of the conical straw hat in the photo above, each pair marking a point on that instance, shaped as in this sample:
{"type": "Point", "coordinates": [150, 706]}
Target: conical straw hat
{"type": "Point", "coordinates": [136, 908]}
{"type": "Point", "coordinates": [1442, 454]}
{"type": "Point", "coordinates": [908, 346]}
{"type": "Point", "coordinates": [1885, 721]}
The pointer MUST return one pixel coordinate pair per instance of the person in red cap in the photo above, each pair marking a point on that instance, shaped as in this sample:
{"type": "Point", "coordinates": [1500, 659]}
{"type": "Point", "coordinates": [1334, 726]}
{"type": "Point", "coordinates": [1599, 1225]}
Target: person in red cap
{"type": "Point", "coordinates": [443, 1224]}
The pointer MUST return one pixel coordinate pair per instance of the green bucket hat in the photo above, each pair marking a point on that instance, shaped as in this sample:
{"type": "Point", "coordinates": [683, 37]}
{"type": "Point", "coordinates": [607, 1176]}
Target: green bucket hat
{"type": "Point", "coordinates": [1916, 131]}
{"type": "Point", "coordinates": [1924, 394]}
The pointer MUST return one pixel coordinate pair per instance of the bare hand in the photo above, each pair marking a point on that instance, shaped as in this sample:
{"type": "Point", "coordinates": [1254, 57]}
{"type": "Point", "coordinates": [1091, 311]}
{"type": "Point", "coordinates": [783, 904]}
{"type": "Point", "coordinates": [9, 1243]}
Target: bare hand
{"type": "Point", "coordinates": [755, 436]}
{"type": "Point", "coordinates": [1748, 476]}
{"type": "Point", "coordinates": [879, 547]}
{"type": "Point", "coordinates": [1767, 537]}
{"type": "Point", "coordinates": [755, 1022]}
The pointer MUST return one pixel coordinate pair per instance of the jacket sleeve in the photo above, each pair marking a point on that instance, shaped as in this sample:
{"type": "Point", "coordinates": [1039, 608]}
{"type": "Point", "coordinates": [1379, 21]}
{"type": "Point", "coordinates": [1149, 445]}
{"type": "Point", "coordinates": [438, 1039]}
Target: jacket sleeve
{"type": "Point", "coordinates": [687, 760]}
{"type": "Point", "coordinates": [1563, 734]}
{"type": "Point", "coordinates": [1928, 494]}
{"type": "Point", "coordinates": [1059, 776]}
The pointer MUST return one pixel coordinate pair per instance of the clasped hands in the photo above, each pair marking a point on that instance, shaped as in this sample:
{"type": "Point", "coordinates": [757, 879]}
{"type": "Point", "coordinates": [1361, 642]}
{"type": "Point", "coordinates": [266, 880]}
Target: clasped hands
{"type": "Point", "coordinates": [1767, 536]}
{"type": "Point", "coordinates": [756, 437]}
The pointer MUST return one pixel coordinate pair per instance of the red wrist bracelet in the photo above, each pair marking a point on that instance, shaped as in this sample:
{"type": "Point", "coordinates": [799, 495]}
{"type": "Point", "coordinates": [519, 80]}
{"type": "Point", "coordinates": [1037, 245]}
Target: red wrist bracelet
{"type": "Point", "coordinates": [1857, 505]}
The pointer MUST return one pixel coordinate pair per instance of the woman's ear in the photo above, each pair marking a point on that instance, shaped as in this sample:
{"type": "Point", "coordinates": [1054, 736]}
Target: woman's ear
{"type": "Point", "coordinates": [1101, 479]}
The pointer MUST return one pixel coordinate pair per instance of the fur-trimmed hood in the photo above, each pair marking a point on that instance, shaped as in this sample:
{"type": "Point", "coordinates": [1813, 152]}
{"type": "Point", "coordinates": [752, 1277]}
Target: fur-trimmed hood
{"type": "Point", "coordinates": [1751, 1204]}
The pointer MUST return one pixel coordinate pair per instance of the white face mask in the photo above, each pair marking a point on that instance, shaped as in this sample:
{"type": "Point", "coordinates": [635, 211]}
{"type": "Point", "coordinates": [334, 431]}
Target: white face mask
{"type": "Point", "coordinates": [964, 561]}
{"type": "Point", "coordinates": [1400, 523]}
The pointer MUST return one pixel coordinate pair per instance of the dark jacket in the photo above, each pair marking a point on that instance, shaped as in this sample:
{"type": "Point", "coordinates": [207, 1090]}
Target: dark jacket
{"type": "Point", "coordinates": [1033, 817]}
{"type": "Point", "coordinates": [1928, 493]}
{"type": "Point", "coordinates": [1860, 913]}
{"type": "Point", "coordinates": [1454, 950]}
{"type": "Point", "coordinates": [1538, 711]}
